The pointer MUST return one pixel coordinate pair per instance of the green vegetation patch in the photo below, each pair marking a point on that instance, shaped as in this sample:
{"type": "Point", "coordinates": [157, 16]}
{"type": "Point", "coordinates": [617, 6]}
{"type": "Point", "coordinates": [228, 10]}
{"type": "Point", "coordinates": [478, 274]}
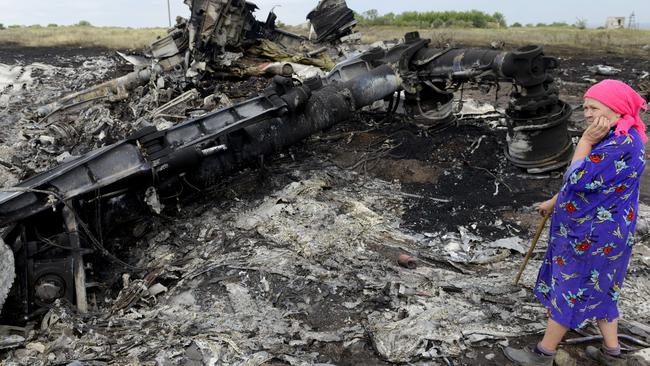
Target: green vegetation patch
{"type": "Point", "coordinates": [434, 19]}
{"type": "Point", "coordinates": [619, 41]}
{"type": "Point", "coordinates": [81, 35]}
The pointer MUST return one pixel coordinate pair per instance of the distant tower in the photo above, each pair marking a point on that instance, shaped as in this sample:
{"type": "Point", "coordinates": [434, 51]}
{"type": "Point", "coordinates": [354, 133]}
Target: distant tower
{"type": "Point", "coordinates": [631, 23]}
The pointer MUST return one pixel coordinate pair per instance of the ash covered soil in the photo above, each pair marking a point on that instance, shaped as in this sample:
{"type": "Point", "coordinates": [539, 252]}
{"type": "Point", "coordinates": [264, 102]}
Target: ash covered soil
{"type": "Point", "coordinates": [294, 261]}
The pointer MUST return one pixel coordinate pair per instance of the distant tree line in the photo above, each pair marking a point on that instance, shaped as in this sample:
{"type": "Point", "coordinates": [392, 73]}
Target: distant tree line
{"type": "Point", "coordinates": [451, 19]}
{"type": "Point", "coordinates": [580, 24]}
{"type": "Point", "coordinates": [434, 19]}
{"type": "Point", "coordinates": [82, 23]}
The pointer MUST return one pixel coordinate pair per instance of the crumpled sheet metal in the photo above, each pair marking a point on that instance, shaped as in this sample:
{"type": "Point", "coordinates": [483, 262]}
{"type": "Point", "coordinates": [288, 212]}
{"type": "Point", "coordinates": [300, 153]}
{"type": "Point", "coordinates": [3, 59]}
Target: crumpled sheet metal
{"type": "Point", "coordinates": [471, 109]}
{"type": "Point", "coordinates": [20, 76]}
{"type": "Point", "coordinates": [24, 139]}
{"type": "Point", "coordinates": [115, 89]}
{"type": "Point", "coordinates": [17, 80]}
{"type": "Point", "coordinates": [331, 19]}
{"type": "Point", "coordinates": [402, 340]}
{"type": "Point", "coordinates": [298, 217]}
{"type": "Point", "coordinates": [137, 61]}
{"type": "Point", "coordinates": [350, 223]}
{"type": "Point", "coordinates": [47, 82]}
{"type": "Point", "coordinates": [466, 247]}
{"type": "Point", "coordinates": [220, 23]}
{"type": "Point", "coordinates": [446, 323]}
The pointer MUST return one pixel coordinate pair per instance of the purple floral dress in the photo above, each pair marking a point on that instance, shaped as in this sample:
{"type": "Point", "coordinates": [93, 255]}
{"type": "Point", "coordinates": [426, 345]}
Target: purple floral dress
{"type": "Point", "coordinates": [592, 233]}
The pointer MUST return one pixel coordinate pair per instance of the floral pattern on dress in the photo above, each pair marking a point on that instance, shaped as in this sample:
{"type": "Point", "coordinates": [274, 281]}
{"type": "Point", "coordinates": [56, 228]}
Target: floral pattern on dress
{"type": "Point", "coordinates": [592, 230]}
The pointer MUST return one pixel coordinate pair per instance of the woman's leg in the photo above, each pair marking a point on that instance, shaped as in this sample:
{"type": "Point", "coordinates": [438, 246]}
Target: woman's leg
{"type": "Point", "coordinates": [553, 335]}
{"type": "Point", "coordinates": [609, 330]}
{"type": "Point", "coordinates": [544, 352]}
{"type": "Point", "coordinates": [610, 352]}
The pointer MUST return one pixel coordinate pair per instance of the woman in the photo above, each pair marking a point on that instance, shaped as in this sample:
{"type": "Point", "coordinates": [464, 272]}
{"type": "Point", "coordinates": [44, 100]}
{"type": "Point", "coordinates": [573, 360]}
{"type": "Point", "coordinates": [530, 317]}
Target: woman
{"type": "Point", "coordinates": [592, 226]}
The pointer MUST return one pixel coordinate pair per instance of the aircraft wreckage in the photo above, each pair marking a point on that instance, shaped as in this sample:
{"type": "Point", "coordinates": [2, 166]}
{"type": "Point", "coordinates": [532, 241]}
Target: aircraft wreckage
{"type": "Point", "coordinates": [52, 218]}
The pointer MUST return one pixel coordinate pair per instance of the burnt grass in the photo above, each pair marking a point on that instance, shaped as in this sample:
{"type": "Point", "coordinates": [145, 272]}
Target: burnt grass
{"type": "Point", "coordinates": [67, 56]}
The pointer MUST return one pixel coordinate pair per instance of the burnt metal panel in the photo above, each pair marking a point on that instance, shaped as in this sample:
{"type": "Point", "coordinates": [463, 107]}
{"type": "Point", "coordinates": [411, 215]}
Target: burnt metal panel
{"type": "Point", "coordinates": [332, 19]}
{"type": "Point", "coordinates": [90, 172]}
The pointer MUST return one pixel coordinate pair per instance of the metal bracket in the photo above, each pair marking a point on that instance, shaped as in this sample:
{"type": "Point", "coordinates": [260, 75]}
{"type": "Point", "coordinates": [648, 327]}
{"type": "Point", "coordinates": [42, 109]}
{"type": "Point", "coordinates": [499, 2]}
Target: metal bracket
{"type": "Point", "coordinates": [410, 80]}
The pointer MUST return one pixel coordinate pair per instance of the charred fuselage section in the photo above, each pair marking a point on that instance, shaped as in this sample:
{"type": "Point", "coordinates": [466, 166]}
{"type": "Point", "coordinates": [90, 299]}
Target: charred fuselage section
{"type": "Point", "coordinates": [195, 47]}
{"type": "Point", "coordinates": [61, 216]}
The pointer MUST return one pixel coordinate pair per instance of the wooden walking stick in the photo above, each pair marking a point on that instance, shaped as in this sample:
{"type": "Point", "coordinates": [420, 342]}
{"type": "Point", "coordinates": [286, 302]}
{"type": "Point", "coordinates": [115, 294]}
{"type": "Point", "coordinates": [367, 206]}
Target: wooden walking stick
{"type": "Point", "coordinates": [532, 247]}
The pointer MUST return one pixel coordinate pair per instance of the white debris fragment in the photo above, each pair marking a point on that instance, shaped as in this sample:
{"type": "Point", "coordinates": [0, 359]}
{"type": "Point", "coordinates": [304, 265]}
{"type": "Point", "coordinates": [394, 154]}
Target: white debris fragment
{"type": "Point", "coordinates": [513, 243]}
{"type": "Point", "coordinates": [153, 201]}
{"type": "Point", "coordinates": [228, 58]}
{"type": "Point", "coordinates": [160, 83]}
{"type": "Point", "coordinates": [135, 60]}
{"type": "Point", "coordinates": [64, 156]}
{"type": "Point", "coordinates": [195, 69]}
{"type": "Point", "coordinates": [467, 238]}
{"type": "Point", "coordinates": [216, 101]}
{"type": "Point", "coordinates": [46, 140]}
{"type": "Point", "coordinates": [36, 346]}
{"type": "Point", "coordinates": [101, 136]}
{"type": "Point", "coordinates": [11, 341]}
{"type": "Point", "coordinates": [6, 276]}
{"type": "Point", "coordinates": [471, 108]}
{"type": "Point", "coordinates": [184, 299]}
{"type": "Point", "coordinates": [291, 68]}
{"type": "Point", "coordinates": [126, 280]}
{"type": "Point", "coordinates": [603, 70]}
{"type": "Point", "coordinates": [156, 289]}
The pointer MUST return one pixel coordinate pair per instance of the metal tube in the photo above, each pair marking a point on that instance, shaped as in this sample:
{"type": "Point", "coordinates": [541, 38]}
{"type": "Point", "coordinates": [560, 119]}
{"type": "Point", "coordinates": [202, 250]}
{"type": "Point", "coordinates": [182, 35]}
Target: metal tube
{"type": "Point", "coordinates": [116, 88]}
{"type": "Point", "coordinates": [459, 62]}
{"type": "Point", "coordinates": [372, 86]}
{"type": "Point", "coordinates": [325, 108]}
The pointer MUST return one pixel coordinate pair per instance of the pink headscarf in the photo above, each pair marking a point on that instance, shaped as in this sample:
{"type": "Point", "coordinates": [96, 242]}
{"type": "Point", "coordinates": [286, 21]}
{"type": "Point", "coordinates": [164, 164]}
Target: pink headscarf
{"type": "Point", "coordinates": [622, 99]}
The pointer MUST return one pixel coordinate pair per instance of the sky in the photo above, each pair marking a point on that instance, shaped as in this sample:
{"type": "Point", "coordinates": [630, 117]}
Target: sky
{"type": "Point", "coordinates": [153, 13]}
